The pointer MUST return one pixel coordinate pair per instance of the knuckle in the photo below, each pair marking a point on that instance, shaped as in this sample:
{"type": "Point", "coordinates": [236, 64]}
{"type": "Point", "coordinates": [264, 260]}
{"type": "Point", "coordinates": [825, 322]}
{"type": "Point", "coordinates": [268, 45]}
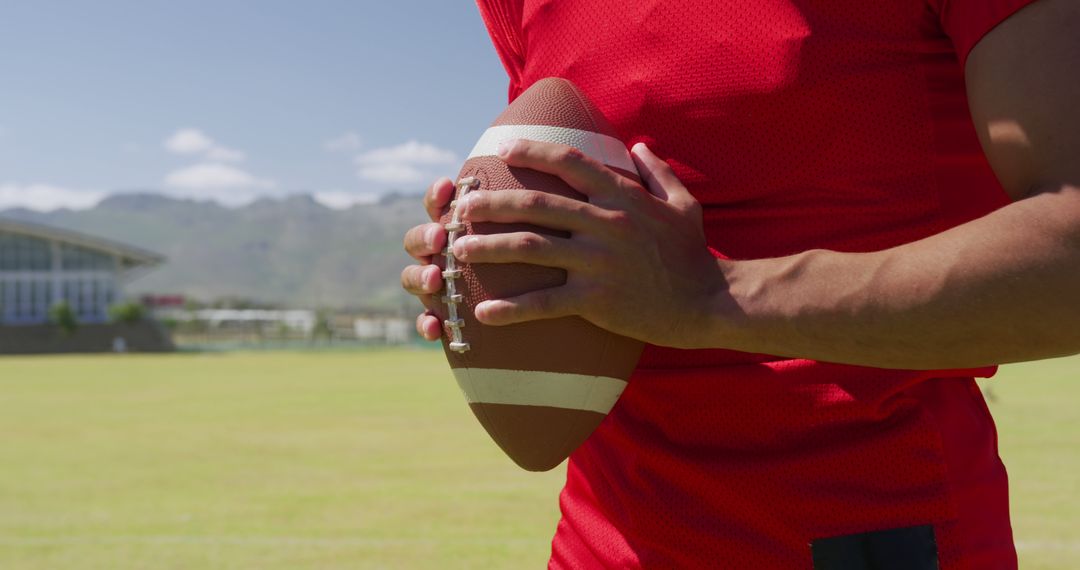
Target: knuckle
{"type": "Point", "coordinates": [466, 248]}
{"type": "Point", "coordinates": [530, 243]}
{"type": "Point", "coordinates": [618, 218]}
{"type": "Point", "coordinates": [515, 147]}
{"type": "Point", "coordinates": [592, 212]}
{"type": "Point", "coordinates": [475, 202]}
{"type": "Point", "coordinates": [533, 200]}
{"type": "Point", "coordinates": [628, 186]}
{"type": "Point", "coordinates": [570, 155]}
{"type": "Point", "coordinates": [620, 223]}
{"type": "Point", "coordinates": [693, 207]}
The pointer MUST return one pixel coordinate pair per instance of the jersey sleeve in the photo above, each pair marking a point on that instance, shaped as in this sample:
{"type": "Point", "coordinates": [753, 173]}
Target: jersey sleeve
{"type": "Point", "coordinates": [967, 21]}
{"type": "Point", "coordinates": [503, 21]}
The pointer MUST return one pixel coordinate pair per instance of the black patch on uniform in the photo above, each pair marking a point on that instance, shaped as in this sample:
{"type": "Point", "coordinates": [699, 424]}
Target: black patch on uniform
{"type": "Point", "coordinates": [911, 548]}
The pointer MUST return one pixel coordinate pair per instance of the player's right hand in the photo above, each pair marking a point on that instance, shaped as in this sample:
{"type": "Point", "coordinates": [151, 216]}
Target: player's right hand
{"type": "Point", "coordinates": [422, 242]}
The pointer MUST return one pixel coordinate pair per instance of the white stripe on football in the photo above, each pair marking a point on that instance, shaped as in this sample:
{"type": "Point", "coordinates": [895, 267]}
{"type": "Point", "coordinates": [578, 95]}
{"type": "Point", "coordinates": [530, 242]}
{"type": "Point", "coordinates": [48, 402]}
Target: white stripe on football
{"type": "Point", "coordinates": [537, 388]}
{"type": "Point", "coordinates": [607, 150]}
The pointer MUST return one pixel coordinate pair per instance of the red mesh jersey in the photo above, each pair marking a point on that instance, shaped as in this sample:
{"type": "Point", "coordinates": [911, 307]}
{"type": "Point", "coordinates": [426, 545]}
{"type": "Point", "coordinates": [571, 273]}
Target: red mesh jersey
{"type": "Point", "coordinates": [798, 125]}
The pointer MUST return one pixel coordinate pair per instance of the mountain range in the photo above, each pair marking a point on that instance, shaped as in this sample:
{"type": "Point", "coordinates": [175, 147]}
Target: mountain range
{"type": "Point", "coordinates": [291, 251]}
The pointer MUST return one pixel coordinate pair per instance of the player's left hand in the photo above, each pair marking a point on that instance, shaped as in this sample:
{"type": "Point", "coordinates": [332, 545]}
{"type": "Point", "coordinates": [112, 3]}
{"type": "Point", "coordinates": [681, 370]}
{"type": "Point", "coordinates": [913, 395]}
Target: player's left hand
{"type": "Point", "coordinates": [636, 259]}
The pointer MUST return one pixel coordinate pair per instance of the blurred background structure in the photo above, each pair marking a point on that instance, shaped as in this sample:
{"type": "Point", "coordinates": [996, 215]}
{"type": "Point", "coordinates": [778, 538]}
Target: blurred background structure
{"type": "Point", "coordinates": [62, 291]}
{"type": "Point", "coordinates": [43, 265]}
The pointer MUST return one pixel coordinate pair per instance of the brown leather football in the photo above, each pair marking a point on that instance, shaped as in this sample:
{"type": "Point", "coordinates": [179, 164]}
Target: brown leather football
{"type": "Point", "coordinates": [538, 388]}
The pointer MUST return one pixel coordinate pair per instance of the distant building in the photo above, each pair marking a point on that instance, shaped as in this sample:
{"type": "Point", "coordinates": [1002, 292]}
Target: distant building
{"type": "Point", "coordinates": [391, 330]}
{"type": "Point", "coordinates": [42, 265]}
{"type": "Point", "coordinates": [264, 320]}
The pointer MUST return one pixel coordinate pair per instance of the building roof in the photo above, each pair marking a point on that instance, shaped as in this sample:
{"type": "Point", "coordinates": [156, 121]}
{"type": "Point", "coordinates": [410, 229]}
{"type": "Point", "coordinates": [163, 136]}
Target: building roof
{"type": "Point", "coordinates": [129, 254]}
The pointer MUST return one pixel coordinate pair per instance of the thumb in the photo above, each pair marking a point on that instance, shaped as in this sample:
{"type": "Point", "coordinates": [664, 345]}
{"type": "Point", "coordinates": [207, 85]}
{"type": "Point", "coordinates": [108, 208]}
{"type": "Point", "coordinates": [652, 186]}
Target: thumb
{"type": "Point", "coordinates": [658, 176]}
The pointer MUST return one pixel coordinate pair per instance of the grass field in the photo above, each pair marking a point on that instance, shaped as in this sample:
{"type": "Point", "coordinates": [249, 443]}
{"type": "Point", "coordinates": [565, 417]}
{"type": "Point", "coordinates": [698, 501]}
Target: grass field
{"type": "Point", "coordinates": [352, 460]}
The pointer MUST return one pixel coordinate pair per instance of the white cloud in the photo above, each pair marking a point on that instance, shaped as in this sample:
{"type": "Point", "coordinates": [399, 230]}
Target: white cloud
{"type": "Point", "coordinates": [211, 179]}
{"type": "Point", "coordinates": [211, 176]}
{"type": "Point", "coordinates": [190, 141]}
{"type": "Point", "coordinates": [406, 163]}
{"type": "Point", "coordinates": [45, 197]}
{"type": "Point", "coordinates": [412, 152]}
{"type": "Point", "coordinates": [337, 200]}
{"type": "Point", "coordinates": [221, 182]}
{"type": "Point", "coordinates": [346, 142]}
{"type": "Point", "coordinates": [391, 173]}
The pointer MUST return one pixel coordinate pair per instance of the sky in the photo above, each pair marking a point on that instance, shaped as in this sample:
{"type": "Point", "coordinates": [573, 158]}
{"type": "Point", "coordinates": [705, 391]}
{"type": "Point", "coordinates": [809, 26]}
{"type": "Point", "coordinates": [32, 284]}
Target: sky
{"type": "Point", "coordinates": [233, 100]}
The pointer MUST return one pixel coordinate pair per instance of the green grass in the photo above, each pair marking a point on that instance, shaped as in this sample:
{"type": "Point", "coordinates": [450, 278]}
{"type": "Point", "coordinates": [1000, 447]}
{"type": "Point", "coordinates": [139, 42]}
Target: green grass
{"type": "Point", "coordinates": [351, 460]}
{"type": "Point", "coordinates": [274, 460]}
{"type": "Point", "coordinates": [1035, 406]}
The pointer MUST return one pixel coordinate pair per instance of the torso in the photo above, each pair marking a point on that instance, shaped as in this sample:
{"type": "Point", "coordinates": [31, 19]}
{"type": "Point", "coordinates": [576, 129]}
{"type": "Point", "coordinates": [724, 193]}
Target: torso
{"type": "Point", "coordinates": [798, 125]}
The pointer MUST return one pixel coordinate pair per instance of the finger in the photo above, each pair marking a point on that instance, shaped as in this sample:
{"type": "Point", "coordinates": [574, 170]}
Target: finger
{"type": "Point", "coordinates": [428, 326]}
{"type": "Point", "coordinates": [437, 198]}
{"type": "Point", "coordinates": [658, 176]}
{"type": "Point", "coordinates": [582, 172]}
{"type": "Point", "coordinates": [421, 279]}
{"type": "Point", "coordinates": [529, 206]}
{"type": "Point", "coordinates": [521, 247]}
{"type": "Point", "coordinates": [542, 304]}
{"type": "Point", "coordinates": [423, 241]}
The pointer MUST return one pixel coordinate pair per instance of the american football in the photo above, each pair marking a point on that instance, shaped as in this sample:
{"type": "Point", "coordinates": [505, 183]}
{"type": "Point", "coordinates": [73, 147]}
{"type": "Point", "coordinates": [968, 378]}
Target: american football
{"type": "Point", "coordinates": [538, 388]}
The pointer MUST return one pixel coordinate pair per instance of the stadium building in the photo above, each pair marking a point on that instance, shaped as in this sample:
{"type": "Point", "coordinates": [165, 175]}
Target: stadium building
{"type": "Point", "coordinates": [42, 265]}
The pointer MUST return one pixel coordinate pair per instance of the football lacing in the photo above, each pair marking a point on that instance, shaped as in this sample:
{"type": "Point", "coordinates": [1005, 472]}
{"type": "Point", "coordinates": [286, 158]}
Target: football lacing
{"type": "Point", "coordinates": [452, 271]}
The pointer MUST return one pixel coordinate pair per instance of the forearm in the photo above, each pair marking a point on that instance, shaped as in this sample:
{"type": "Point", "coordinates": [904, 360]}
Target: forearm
{"type": "Point", "coordinates": [1003, 288]}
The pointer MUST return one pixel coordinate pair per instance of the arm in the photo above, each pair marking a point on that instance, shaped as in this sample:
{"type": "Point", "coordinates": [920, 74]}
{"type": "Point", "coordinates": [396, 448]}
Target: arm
{"type": "Point", "coordinates": [1002, 288]}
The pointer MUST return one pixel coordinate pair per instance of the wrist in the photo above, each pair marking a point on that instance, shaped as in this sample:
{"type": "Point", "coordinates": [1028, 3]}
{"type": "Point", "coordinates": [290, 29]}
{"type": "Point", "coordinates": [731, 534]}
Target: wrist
{"type": "Point", "coordinates": [789, 306]}
{"type": "Point", "coordinates": [763, 301]}
{"type": "Point", "coordinates": [729, 310]}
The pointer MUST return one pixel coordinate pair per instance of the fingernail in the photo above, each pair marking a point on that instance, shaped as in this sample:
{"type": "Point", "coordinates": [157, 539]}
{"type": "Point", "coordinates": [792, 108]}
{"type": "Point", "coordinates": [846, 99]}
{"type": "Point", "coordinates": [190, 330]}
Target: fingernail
{"type": "Point", "coordinates": [504, 148]}
{"type": "Point", "coordinates": [431, 334]}
{"type": "Point", "coordinates": [436, 278]}
{"type": "Point", "coordinates": [480, 309]}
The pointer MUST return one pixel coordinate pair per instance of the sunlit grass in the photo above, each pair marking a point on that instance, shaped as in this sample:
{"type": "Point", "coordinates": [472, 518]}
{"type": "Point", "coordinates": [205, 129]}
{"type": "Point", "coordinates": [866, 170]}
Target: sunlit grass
{"type": "Point", "coordinates": [363, 459]}
{"type": "Point", "coordinates": [272, 460]}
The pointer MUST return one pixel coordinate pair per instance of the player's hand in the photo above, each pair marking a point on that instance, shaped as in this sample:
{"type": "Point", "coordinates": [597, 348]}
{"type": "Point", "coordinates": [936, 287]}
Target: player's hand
{"type": "Point", "coordinates": [636, 259]}
{"type": "Point", "coordinates": [421, 242]}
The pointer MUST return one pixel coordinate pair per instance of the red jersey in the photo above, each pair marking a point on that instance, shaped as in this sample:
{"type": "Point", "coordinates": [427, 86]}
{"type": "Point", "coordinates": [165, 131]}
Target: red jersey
{"type": "Point", "coordinates": [840, 125]}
